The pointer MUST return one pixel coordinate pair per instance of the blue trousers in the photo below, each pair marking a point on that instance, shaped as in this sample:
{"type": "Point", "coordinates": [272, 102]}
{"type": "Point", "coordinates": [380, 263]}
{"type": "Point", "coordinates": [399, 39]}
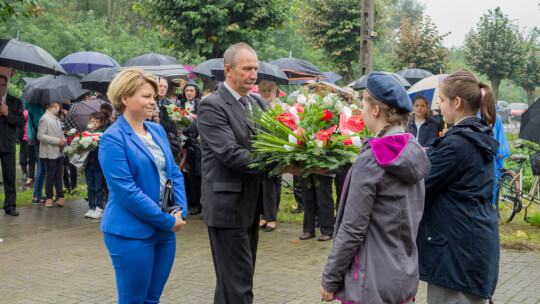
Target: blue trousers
{"type": "Point", "coordinates": [142, 267]}
{"type": "Point", "coordinates": [94, 181]}
{"type": "Point", "coordinates": [40, 176]}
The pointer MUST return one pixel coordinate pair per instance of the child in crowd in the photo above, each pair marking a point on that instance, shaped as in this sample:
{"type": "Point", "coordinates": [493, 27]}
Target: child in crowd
{"type": "Point", "coordinates": [92, 170]}
{"type": "Point", "coordinates": [374, 257]}
{"type": "Point", "coordinates": [421, 126]}
{"type": "Point", "coordinates": [51, 143]}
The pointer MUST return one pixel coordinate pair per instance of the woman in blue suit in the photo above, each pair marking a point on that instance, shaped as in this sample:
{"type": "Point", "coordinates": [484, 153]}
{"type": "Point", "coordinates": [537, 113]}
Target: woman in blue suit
{"type": "Point", "coordinates": [136, 160]}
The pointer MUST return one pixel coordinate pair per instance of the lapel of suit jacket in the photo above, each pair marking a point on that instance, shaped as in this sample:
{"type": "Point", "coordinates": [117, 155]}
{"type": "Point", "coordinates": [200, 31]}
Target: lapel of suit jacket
{"type": "Point", "coordinates": [235, 106]}
{"type": "Point", "coordinates": [135, 138]}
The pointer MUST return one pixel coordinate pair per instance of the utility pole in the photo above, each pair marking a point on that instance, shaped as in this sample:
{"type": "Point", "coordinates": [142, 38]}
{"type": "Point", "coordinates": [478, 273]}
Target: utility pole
{"type": "Point", "coordinates": [367, 33]}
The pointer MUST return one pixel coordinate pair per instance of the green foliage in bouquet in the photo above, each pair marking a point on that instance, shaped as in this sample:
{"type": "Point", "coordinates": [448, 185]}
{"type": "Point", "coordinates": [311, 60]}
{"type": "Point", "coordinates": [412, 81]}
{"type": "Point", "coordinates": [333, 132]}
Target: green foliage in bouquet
{"type": "Point", "coordinates": [307, 135]}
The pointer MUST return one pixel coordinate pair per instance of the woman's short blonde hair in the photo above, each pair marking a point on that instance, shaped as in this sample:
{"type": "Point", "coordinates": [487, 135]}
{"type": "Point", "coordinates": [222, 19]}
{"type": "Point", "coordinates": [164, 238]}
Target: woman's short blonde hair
{"type": "Point", "coordinates": [267, 84]}
{"type": "Point", "coordinates": [126, 84]}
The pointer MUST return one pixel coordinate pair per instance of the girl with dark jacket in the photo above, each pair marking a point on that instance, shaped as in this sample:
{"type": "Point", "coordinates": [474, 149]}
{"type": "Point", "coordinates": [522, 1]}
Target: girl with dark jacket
{"type": "Point", "coordinates": [458, 239]}
{"type": "Point", "coordinates": [421, 126]}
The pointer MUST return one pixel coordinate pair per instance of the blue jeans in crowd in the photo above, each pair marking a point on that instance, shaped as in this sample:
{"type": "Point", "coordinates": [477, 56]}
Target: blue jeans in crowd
{"type": "Point", "coordinates": [142, 267]}
{"type": "Point", "coordinates": [94, 182]}
{"type": "Point", "coordinates": [40, 176]}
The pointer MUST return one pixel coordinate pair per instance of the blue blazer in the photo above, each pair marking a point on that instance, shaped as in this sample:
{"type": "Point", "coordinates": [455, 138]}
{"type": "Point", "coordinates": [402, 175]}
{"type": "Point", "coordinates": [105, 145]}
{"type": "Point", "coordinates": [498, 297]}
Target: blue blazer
{"type": "Point", "coordinates": [133, 180]}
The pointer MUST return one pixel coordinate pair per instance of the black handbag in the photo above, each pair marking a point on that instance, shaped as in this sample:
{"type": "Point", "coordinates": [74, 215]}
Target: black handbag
{"type": "Point", "coordinates": [168, 202]}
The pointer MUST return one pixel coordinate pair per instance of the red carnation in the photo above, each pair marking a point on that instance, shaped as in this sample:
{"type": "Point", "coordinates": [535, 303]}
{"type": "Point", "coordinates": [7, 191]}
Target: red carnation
{"type": "Point", "coordinates": [327, 115]}
{"type": "Point", "coordinates": [355, 123]}
{"type": "Point", "coordinates": [324, 135]}
{"type": "Point", "coordinates": [176, 109]}
{"type": "Point", "coordinates": [288, 120]}
{"type": "Point", "coordinates": [299, 107]}
{"type": "Point", "coordinates": [68, 140]}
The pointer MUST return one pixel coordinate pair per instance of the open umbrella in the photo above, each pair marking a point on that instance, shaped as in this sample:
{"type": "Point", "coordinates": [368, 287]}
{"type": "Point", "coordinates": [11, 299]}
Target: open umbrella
{"type": "Point", "coordinates": [26, 57]}
{"type": "Point", "coordinates": [530, 123]}
{"type": "Point", "coordinates": [361, 82]}
{"type": "Point", "coordinates": [50, 89]}
{"type": "Point", "coordinates": [332, 77]}
{"type": "Point", "coordinates": [297, 69]}
{"type": "Point", "coordinates": [82, 112]}
{"type": "Point", "coordinates": [100, 79]}
{"type": "Point", "coordinates": [204, 70]}
{"type": "Point", "coordinates": [414, 75]}
{"type": "Point", "coordinates": [158, 65]}
{"type": "Point", "coordinates": [428, 88]}
{"type": "Point", "coordinates": [86, 62]}
{"type": "Point", "coordinates": [266, 71]}
{"type": "Point", "coordinates": [188, 68]}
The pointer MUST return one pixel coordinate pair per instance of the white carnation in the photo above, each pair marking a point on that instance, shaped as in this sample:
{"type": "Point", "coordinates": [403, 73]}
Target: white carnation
{"type": "Point", "coordinates": [353, 107]}
{"type": "Point", "coordinates": [301, 99]}
{"type": "Point", "coordinates": [73, 131]}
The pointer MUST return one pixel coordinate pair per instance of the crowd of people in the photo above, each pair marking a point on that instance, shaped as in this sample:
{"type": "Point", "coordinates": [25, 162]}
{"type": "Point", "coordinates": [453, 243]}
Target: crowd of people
{"type": "Point", "coordinates": [405, 211]}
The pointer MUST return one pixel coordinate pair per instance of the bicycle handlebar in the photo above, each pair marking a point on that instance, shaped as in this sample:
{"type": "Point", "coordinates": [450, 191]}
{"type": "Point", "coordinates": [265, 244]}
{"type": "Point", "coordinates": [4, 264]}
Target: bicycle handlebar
{"type": "Point", "coordinates": [521, 146]}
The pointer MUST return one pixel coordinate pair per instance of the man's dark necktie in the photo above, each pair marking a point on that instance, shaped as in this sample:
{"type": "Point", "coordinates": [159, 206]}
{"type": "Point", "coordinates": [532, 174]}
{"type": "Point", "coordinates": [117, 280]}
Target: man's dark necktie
{"type": "Point", "coordinates": [247, 107]}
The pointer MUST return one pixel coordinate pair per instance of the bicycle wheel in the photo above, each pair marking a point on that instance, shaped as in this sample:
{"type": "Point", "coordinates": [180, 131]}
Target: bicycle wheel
{"type": "Point", "coordinates": [508, 202]}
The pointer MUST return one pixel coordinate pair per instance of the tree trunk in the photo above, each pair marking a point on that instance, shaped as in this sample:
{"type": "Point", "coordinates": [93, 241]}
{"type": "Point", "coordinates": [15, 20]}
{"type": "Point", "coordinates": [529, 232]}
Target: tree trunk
{"type": "Point", "coordinates": [530, 97]}
{"type": "Point", "coordinates": [348, 76]}
{"type": "Point", "coordinates": [495, 82]}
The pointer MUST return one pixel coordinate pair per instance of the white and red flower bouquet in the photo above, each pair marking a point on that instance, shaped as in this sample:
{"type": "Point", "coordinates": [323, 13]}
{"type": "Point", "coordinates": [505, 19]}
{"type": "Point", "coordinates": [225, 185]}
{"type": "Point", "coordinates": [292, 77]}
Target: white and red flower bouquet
{"type": "Point", "coordinates": [181, 117]}
{"type": "Point", "coordinates": [79, 146]}
{"type": "Point", "coordinates": [320, 132]}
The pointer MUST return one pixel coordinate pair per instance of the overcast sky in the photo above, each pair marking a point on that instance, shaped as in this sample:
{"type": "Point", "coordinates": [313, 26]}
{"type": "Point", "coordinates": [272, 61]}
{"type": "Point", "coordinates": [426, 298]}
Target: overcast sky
{"type": "Point", "coordinates": [460, 16]}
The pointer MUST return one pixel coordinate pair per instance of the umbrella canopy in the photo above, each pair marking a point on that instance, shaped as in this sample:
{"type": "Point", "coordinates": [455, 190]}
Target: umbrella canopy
{"type": "Point", "coordinates": [204, 70]}
{"type": "Point", "coordinates": [50, 89]}
{"type": "Point", "coordinates": [429, 88]}
{"type": "Point", "coordinates": [99, 80]}
{"type": "Point", "coordinates": [26, 57]}
{"type": "Point", "coordinates": [151, 59]}
{"type": "Point", "coordinates": [86, 62]}
{"type": "Point", "coordinates": [361, 82]}
{"type": "Point", "coordinates": [82, 112]}
{"type": "Point", "coordinates": [332, 77]}
{"type": "Point", "coordinates": [266, 71]}
{"type": "Point", "coordinates": [158, 65]}
{"type": "Point", "coordinates": [530, 123]}
{"type": "Point", "coordinates": [414, 75]}
{"type": "Point", "coordinates": [297, 69]}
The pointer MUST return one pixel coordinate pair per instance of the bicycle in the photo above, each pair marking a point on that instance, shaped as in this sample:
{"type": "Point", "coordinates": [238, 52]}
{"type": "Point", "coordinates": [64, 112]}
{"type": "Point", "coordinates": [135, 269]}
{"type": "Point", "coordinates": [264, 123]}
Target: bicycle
{"type": "Point", "coordinates": [510, 196]}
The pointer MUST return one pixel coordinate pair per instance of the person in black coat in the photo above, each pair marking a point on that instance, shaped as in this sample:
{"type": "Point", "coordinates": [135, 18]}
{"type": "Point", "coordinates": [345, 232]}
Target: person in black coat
{"type": "Point", "coordinates": [458, 238]}
{"type": "Point", "coordinates": [231, 189]}
{"type": "Point", "coordinates": [11, 118]}
{"type": "Point", "coordinates": [424, 128]}
{"type": "Point", "coordinates": [161, 115]}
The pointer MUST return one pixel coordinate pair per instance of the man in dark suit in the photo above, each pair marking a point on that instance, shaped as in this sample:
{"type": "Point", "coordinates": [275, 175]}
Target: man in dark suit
{"type": "Point", "coordinates": [11, 118]}
{"type": "Point", "coordinates": [231, 191]}
{"type": "Point", "coordinates": [162, 115]}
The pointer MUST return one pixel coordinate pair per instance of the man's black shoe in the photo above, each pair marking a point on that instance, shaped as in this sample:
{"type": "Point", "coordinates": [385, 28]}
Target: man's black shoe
{"type": "Point", "coordinates": [12, 212]}
{"type": "Point", "coordinates": [297, 210]}
{"type": "Point", "coordinates": [195, 211]}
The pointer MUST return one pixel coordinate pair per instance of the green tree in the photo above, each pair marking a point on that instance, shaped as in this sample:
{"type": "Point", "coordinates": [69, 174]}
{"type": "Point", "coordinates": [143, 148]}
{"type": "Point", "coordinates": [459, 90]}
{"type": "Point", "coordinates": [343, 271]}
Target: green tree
{"type": "Point", "coordinates": [527, 74]}
{"type": "Point", "coordinates": [334, 27]}
{"type": "Point", "coordinates": [402, 9]}
{"type": "Point", "coordinates": [419, 45]}
{"type": "Point", "coordinates": [208, 28]}
{"type": "Point", "coordinates": [493, 48]}
{"type": "Point", "coordinates": [18, 8]}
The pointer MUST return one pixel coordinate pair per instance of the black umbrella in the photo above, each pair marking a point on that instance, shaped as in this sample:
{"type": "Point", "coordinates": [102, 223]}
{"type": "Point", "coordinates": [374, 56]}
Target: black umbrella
{"type": "Point", "coordinates": [297, 69]}
{"type": "Point", "coordinates": [204, 70]}
{"type": "Point", "coordinates": [414, 75]}
{"type": "Point", "coordinates": [266, 71]}
{"type": "Point", "coordinates": [158, 65]}
{"type": "Point", "coordinates": [100, 79]}
{"type": "Point", "coordinates": [26, 57]}
{"type": "Point", "coordinates": [361, 82]}
{"type": "Point", "coordinates": [530, 123]}
{"type": "Point", "coordinates": [50, 89]}
{"type": "Point", "coordinates": [81, 111]}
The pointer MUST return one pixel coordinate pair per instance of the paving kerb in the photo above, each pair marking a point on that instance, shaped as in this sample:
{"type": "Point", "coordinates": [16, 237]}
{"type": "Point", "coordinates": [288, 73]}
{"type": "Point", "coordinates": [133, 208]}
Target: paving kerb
{"type": "Point", "coordinates": [55, 255]}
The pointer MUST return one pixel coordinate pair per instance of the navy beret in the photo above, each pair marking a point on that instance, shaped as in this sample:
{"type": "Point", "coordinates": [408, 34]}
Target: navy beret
{"type": "Point", "coordinates": [388, 90]}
